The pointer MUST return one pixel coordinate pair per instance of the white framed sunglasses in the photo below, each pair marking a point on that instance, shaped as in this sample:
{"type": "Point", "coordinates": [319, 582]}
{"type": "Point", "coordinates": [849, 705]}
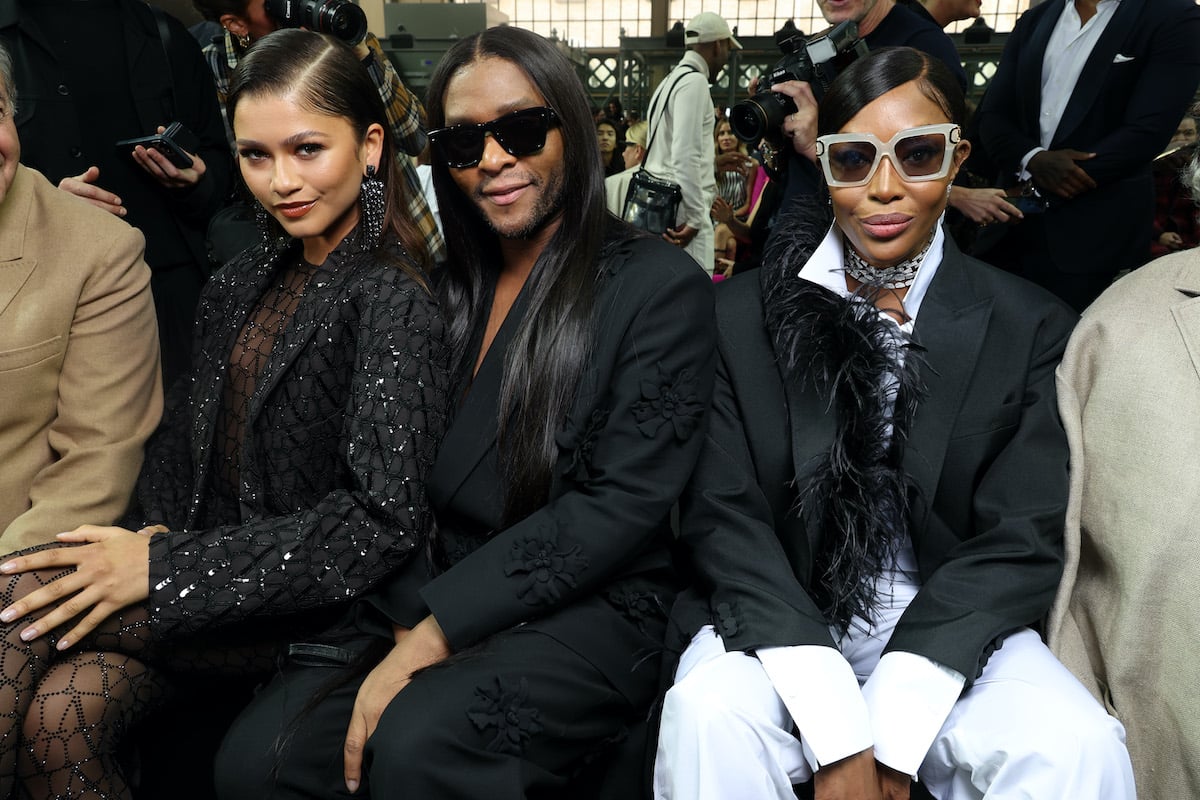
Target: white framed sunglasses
{"type": "Point", "coordinates": [918, 154]}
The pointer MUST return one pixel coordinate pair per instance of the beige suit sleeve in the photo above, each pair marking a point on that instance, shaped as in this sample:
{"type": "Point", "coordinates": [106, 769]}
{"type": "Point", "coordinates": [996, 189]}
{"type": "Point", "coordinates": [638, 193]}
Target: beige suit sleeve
{"type": "Point", "coordinates": [109, 400]}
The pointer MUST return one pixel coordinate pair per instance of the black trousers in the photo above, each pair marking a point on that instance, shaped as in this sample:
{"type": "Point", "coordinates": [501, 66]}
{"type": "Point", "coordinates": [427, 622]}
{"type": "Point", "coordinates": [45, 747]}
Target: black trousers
{"type": "Point", "coordinates": [519, 717]}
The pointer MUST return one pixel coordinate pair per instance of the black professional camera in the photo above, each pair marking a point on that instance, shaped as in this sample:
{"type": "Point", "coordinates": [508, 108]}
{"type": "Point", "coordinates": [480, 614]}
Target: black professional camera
{"type": "Point", "coordinates": [815, 60]}
{"type": "Point", "coordinates": [340, 18]}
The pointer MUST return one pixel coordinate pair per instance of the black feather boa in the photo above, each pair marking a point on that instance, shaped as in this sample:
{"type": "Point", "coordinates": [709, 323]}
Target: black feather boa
{"type": "Point", "coordinates": [856, 496]}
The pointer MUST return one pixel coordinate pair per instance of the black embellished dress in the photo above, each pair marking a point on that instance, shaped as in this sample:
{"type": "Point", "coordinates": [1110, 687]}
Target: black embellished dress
{"type": "Point", "coordinates": [291, 472]}
{"type": "Point", "coordinates": [555, 622]}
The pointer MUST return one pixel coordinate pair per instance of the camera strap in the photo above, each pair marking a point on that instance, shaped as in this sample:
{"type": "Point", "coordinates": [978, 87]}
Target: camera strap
{"type": "Point", "coordinates": [665, 102]}
{"type": "Point", "coordinates": [164, 38]}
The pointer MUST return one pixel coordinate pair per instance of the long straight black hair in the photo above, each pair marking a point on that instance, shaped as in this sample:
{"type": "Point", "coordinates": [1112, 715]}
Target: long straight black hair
{"type": "Point", "coordinates": [324, 75]}
{"type": "Point", "coordinates": [550, 348]}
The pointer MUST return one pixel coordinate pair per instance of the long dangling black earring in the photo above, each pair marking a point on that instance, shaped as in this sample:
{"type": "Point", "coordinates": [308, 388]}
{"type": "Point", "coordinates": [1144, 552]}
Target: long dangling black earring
{"type": "Point", "coordinates": [374, 205]}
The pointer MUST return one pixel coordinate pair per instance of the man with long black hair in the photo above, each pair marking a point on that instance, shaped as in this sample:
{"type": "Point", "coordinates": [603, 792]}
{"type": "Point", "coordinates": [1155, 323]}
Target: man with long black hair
{"type": "Point", "coordinates": [530, 639]}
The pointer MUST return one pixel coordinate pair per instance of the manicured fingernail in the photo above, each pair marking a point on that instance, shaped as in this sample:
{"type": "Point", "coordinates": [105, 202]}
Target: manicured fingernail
{"type": "Point", "coordinates": [352, 786]}
{"type": "Point", "coordinates": [8, 566]}
{"type": "Point", "coordinates": [29, 633]}
{"type": "Point", "coordinates": [63, 643]}
{"type": "Point", "coordinates": [8, 615]}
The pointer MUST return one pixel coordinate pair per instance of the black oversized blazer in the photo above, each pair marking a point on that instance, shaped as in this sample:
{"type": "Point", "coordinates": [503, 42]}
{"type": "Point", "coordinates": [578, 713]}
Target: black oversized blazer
{"type": "Point", "coordinates": [341, 432]}
{"type": "Point", "coordinates": [596, 556]}
{"type": "Point", "coordinates": [986, 455]}
{"type": "Point", "coordinates": [1134, 87]}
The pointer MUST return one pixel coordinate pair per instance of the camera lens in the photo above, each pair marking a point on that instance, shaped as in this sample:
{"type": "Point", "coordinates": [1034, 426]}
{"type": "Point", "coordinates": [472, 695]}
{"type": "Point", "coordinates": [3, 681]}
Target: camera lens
{"type": "Point", "coordinates": [339, 18]}
{"type": "Point", "coordinates": [748, 121]}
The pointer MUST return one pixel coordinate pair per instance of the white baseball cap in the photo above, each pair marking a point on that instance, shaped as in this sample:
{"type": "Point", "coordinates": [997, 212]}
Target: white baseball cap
{"type": "Point", "coordinates": [709, 27]}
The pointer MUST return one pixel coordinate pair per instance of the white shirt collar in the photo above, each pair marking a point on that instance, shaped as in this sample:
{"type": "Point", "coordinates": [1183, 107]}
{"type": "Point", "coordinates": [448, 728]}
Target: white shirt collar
{"type": "Point", "coordinates": [826, 267]}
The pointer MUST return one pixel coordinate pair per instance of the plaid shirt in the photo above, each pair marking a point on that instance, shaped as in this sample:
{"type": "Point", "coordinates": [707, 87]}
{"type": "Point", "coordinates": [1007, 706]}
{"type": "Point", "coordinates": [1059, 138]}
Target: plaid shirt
{"type": "Point", "coordinates": [404, 113]}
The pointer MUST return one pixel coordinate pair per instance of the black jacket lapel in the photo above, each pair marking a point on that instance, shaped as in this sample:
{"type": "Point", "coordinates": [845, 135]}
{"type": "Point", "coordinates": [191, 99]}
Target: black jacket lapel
{"type": "Point", "coordinates": [248, 278]}
{"type": "Point", "coordinates": [475, 426]}
{"type": "Point", "coordinates": [949, 333]}
{"type": "Point", "coordinates": [1030, 65]}
{"type": "Point", "coordinates": [1093, 79]}
{"type": "Point", "coordinates": [315, 305]}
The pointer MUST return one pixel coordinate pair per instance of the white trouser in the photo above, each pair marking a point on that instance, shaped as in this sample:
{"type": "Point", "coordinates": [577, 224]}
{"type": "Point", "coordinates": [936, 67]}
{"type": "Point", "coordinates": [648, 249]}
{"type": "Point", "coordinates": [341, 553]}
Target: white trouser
{"type": "Point", "coordinates": [1026, 729]}
{"type": "Point", "coordinates": [701, 247]}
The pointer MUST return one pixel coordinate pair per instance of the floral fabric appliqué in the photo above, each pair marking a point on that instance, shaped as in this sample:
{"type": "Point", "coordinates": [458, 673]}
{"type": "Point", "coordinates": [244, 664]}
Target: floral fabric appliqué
{"type": "Point", "coordinates": [582, 443]}
{"type": "Point", "coordinates": [670, 398]}
{"type": "Point", "coordinates": [507, 712]}
{"type": "Point", "coordinates": [641, 607]}
{"type": "Point", "coordinates": [546, 568]}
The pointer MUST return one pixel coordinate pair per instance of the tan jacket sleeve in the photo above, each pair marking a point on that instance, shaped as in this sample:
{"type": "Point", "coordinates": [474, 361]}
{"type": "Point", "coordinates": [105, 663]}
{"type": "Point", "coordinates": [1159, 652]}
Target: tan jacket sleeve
{"type": "Point", "coordinates": [109, 401]}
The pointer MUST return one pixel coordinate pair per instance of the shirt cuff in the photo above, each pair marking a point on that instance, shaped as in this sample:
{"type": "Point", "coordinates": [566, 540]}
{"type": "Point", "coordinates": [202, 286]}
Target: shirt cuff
{"type": "Point", "coordinates": [820, 691]}
{"type": "Point", "coordinates": [909, 697]}
{"type": "Point", "coordinates": [1024, 175]}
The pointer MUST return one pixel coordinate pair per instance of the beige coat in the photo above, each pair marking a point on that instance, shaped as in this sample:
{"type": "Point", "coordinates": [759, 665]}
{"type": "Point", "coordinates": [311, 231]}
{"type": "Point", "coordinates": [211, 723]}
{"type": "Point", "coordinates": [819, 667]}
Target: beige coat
{"type": "Point", "coordinates": [1127, 617]}
{"type": "Point", "coordinates": [79, 381]}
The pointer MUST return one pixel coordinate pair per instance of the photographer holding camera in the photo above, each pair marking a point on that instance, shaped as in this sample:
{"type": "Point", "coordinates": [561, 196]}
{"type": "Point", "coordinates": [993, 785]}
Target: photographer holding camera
{"type": "Point", "coordinates": [246, 21]}
{"type": "Point", "coordinates": [679, 142]}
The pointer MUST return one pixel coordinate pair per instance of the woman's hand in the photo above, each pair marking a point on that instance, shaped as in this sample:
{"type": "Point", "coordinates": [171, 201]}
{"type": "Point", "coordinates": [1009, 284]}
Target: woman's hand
{"type": "Point", "coordinates": [415, 649]}
{"type": "Point", "coordinates": [111, 572]}
{"type": "Point", "coordinates": [983, 206]}
{"type": "Point", "coordinates": [721, 211]}
{"type": "Point", "coordinates": [1171, 240]}
{"type": "Point", "coordinates": [736, 161]}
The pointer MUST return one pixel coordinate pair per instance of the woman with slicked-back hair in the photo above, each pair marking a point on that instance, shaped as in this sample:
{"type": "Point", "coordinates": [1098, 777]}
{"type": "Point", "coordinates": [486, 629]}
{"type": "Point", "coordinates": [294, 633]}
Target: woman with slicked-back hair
{"type": "Point", "coordinates": [288, 475]}
{"type": "Point", "coordinates": [876, 519]}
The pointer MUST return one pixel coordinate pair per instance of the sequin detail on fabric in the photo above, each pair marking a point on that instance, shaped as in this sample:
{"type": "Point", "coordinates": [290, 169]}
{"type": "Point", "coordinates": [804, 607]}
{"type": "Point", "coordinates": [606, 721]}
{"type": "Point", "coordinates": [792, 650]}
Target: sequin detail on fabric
{"type": "Point", "coordinates": [281, 510]}
{"type": "Point", "coordinates": [505, 713]}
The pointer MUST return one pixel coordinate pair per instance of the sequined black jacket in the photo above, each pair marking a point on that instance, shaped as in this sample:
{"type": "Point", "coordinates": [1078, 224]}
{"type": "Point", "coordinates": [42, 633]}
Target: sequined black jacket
{"type": "Point", "coordinates": [342, 430]}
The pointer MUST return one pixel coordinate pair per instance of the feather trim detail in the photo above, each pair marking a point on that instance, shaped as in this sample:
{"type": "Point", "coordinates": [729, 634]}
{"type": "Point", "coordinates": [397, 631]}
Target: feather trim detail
{"type": "Point", "coordinates": [855, 496]}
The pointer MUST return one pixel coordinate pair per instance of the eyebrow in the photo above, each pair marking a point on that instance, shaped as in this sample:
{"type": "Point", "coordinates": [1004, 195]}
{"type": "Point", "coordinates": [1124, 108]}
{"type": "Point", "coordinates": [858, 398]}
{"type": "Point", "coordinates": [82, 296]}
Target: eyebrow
{"type": "Point", "coordinates": [294, 139]}
{"type": "Point", "coordinates": [507, 108]}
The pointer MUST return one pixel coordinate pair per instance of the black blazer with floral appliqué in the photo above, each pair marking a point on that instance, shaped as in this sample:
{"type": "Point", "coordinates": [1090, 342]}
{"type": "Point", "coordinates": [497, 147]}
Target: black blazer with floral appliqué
{"type": "Point", "coordinates": [596, 555]}
{"type": "Point", "coordinates": [341, 433]}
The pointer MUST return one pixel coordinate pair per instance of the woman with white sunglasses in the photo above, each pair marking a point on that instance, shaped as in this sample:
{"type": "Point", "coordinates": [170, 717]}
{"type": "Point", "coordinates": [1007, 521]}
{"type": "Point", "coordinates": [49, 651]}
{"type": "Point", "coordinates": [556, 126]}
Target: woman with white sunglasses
{"type": "Point", "coordinates": [876, 518]}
